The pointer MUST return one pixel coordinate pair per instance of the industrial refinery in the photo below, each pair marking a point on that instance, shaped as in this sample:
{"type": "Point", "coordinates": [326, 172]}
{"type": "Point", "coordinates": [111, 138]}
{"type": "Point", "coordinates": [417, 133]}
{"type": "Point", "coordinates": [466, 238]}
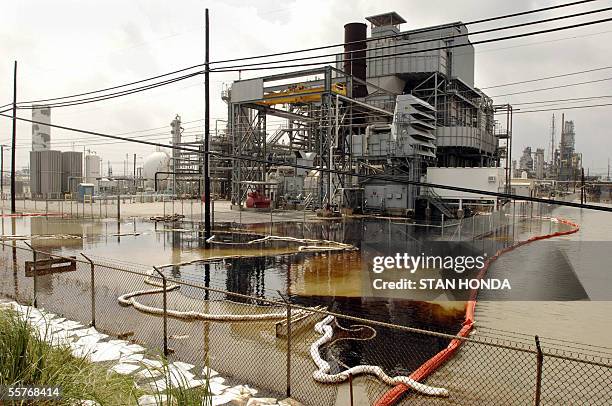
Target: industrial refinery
{"type": "Point", "coordinates": [381, 207]}
{"type": "Point", "coordinates": [312, 138]}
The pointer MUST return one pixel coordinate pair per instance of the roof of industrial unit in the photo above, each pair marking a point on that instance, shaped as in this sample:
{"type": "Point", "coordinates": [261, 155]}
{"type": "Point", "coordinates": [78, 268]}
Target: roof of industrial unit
{"type": "Point", "coordinates": [391, 18]}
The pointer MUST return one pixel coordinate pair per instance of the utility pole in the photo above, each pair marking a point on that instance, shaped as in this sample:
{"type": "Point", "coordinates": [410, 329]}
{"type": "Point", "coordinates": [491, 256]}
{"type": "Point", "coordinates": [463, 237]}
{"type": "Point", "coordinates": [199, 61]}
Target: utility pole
{"type": "Point", "coordinates": [2, 170]}
{"type": "Point", "coordinates": [207, 232]}
{"type": "Point", "coordinates": [582, 191]}
{"type": "Point", "coordinates": [14, 140]}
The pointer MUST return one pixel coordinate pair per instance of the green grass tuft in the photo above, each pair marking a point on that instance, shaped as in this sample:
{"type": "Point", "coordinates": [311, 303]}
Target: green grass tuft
{"type": "Point", "coordinates": [27, 359]}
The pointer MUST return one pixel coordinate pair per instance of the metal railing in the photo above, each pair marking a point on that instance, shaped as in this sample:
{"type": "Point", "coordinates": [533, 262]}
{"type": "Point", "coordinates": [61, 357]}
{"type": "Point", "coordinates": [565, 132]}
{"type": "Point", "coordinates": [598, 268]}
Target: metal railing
{"type": "Point", "coordinates": [274, 355]}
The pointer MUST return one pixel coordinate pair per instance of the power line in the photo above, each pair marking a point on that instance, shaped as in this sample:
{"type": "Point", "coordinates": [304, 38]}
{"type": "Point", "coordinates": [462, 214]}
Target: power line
{"type": "Point", "coordinates": [115, 94]}
{"type": "Point", "coordinates": [412, 43]}
{"type": "Point", "coordinates": [332, 171]}
{"type": "Point", "coordinates": [528, 34]}
{"type": "Point", "coordinates": [547, 77]}
{"type": "Point", "coordinates": [112, 87]}
{"type": "Point", "coordinates": [417, 31]}
{"type": "Point", "coordinates": [564, 108]}
{"type": "Point", "coordinates": [64, 141]}
{"type": "Point", "coordinates": [481, 51]}
{"type": "Point", "coordinates": [563, 100]}
{"type": "Point", "coordinates": [554, 87]}
{"type": "Point", "coordinates": [489, 19]}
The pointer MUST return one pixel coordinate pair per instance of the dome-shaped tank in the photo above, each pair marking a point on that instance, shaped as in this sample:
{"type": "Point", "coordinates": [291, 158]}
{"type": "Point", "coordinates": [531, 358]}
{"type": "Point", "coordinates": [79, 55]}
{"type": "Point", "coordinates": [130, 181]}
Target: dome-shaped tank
{"type": "Point", "coordinates": [158, 161]}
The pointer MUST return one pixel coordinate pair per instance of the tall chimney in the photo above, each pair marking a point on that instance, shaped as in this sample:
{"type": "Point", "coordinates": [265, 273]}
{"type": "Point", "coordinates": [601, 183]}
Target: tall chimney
{"type": "Point", "coordinates": [355, 47]}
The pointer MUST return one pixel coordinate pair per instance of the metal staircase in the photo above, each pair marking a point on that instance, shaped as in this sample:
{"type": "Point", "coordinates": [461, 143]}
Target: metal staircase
{"type": "Point", "coordinates": [435, 199]}
{"type": "Point", "coordinates": [308, 202]}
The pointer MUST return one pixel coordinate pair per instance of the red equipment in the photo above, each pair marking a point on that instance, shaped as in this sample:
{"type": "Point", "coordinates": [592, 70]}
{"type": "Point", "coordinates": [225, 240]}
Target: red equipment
{"type": "Point", "coordinates": [257, 200]}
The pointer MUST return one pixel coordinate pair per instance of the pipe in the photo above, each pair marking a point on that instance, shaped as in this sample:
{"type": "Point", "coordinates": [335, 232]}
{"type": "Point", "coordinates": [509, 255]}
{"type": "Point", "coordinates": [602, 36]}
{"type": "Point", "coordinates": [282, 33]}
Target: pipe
{"type": "Point", "coordinates": [355, 47]}
{"type": "Point", "coordinates": [173, 173]}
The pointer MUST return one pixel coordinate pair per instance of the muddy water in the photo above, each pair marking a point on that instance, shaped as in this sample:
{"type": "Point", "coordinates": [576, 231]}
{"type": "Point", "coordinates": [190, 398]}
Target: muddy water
{"type": "Point", "coordinates": [571, 275]}
{"type": "Point", "coordinates": [332, 279]}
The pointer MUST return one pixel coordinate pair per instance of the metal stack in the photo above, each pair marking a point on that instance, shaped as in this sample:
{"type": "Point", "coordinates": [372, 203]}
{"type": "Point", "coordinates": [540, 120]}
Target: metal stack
{"type": "Point", "coordinates": [46, 173]}
{"type": "Point", "coordinates": [72, 171]}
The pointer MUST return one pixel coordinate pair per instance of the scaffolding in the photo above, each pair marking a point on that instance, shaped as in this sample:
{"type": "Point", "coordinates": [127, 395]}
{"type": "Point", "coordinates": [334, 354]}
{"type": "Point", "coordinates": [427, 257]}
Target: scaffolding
{"type": "Point", "coordinates": [319, 118]}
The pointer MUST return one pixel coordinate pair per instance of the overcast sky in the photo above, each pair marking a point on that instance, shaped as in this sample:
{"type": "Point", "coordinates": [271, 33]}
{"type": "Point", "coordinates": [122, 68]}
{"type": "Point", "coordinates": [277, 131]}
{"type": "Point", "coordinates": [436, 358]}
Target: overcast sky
{"type": "Point", "coordinates": [65, 47]}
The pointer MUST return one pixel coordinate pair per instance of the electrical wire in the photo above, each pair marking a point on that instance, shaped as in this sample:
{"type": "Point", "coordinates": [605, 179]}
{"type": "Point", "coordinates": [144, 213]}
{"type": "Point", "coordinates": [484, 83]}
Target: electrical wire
{"type": "Point", "coordinates": [547, 77]}
{"type": "Point", "coordinates": [563, 100]}
{"type": "Point", "coordinates": [554, 87]}
{"type": "Point", "coordinates": [329, 170]}
{"type": "Point", "coordinates": [563, 108]}
{"type": "Point", "coordinates": [116, 94]}
{"type": "Point", "coordinates": [489, 19]}
{"type": "Point", "coordinates": [424, 50]}
{"type": "Point", "coordinates": [417, 31]}
{"type": "Point", "coordinates": [423, 41]}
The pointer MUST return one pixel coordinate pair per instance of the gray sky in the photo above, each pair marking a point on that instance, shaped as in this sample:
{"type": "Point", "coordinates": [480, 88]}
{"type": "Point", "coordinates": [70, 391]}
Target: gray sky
{"type": "Point", "coordinates": [66, 47]}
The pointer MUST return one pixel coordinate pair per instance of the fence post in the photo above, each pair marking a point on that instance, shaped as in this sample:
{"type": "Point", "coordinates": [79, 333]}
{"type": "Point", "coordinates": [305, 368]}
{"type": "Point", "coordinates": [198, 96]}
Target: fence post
{"type": "Point", "coordinates": [288, 361]}
{"type": "Point", "coordinates": [540, 359]}
{"type": "Point", "coordinates": [34, 271]}
{"type": "Point", "coordinates": [118, 207]}
{"type": "Point", "coordinates": [165, 307]}
{"type": "Point", "coordinates": [513, 220]}
{"type": "Point", "coordinates": [93, 290]}
{"type": "Point", "coordinates": [350, 379]}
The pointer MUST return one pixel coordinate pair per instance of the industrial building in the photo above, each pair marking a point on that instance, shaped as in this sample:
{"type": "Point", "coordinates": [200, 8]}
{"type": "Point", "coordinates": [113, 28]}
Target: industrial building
{"type": "Point", "coordinates": [416, 62]}
{"type": "Point", "coordinates": [52, 173]}
{"type": "Point", "coordinates": [526, 161]}
{"type": "Point", "coordinates": [41, 133]}
{"type": "Point", "coordinates": [396, 103]}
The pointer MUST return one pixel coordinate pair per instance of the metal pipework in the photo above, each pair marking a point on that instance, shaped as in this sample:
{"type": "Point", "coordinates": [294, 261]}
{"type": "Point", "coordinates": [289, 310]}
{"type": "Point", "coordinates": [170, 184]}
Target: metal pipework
{"type": "Point", "coordinates": [182, 173]}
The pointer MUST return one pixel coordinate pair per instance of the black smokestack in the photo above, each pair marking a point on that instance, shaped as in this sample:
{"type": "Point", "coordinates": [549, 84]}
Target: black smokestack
{"type": "Point", "coordinates": [354, 55]}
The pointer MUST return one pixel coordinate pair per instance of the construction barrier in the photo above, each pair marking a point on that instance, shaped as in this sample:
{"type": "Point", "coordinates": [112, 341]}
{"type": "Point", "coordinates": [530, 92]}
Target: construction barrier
{"type": "Point", "coordinates": [432, 364]}
{"type": "Point", "coordinates": [30, 215]}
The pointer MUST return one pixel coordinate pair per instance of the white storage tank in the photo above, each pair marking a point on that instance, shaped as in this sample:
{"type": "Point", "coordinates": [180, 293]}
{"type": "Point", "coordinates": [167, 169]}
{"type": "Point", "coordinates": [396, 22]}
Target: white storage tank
{"type": "Point", "coordinates": [92, 169]}
{"type": "Point", "coordinates": [158, 161]}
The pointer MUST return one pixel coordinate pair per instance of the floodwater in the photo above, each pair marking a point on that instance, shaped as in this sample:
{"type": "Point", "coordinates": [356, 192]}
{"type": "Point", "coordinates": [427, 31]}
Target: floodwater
{"type": "Point", "coordinates": [568, 279]}
{"type": "Point", "coordinates": [332, 278]}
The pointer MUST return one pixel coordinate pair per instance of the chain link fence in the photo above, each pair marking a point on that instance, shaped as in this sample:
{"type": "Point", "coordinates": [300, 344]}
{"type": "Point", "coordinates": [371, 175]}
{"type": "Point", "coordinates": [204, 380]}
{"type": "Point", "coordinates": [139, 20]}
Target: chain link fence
{"type": "Point", "coordinates": [310, 354]}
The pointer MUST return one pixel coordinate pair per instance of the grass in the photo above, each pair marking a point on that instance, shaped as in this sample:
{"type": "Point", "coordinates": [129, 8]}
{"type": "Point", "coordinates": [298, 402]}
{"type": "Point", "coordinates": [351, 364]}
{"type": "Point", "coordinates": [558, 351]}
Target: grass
{"type": "Point", "coordinates": [27, 359]}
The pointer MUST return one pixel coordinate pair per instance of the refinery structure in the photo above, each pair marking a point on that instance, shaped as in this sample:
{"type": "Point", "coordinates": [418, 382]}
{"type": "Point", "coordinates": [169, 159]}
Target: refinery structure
{"type": "Point", "coordinates": [340, 220]}
{"type": "Point", "coordinates": [564, 163]}
{"type": "Point", "coordinates": [401, 104]}
{"type": "Point", "coordinates": [402, 114]}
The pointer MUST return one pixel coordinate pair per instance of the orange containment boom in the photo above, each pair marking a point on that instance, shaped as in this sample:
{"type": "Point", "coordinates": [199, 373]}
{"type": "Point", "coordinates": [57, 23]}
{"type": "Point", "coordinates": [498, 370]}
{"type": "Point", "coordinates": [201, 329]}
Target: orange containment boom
{"type": "Point", "coordinates": [432, 364]}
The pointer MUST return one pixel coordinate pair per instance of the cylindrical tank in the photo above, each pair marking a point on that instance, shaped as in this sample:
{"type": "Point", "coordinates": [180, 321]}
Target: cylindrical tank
{"type": "Point", "coordinates": [72, 171]}
{"type": "Point", "coordinates": [355, 35]}
{"type": "Point", "coordinates": [92, 168]}
{"type": "Point", "coordinates": [158, 161]}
